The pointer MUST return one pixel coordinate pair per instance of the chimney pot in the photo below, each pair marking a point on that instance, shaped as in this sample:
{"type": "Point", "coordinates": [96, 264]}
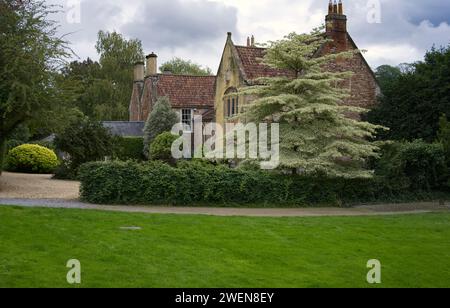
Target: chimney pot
{"type": "Point", "coordinates": [152, 64]}
{"type": "Point", "coordinates": [253, 41]}
{"type": "Point", "coordinates": [139, 71]}
{"type": "Point", "coordinates": [248, 41]}
{"type": "Point", "coordinates": [340, 8]}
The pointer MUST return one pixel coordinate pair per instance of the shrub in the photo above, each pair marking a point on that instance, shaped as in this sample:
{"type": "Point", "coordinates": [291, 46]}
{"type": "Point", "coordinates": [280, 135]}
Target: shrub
{"type": "Point", "coordinates": [197, 184]}
{"type": "Point", "coordinates": [421, 165]}
{"type": "Point", "coordinates": [161, 147]}
{"type": "Point", "coordinates": [85, 141]}
{"type": "Point", "coordinates": [161, 119]}
{"type": "Point", "coordinates": [130, 148]}
{"type": "Point", "coordinates": [31, 158]}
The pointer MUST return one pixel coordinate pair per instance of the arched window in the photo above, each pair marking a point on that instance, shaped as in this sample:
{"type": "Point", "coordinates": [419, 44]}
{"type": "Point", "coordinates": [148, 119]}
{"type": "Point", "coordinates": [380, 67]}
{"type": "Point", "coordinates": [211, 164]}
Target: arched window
{"type": "Point", "coordinates": [231, 102]}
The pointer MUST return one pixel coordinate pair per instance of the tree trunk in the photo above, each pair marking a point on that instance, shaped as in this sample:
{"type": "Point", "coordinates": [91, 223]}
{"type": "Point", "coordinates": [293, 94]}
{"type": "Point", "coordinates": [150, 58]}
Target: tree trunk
{"type": "Point", "coordinates": [2, 153]}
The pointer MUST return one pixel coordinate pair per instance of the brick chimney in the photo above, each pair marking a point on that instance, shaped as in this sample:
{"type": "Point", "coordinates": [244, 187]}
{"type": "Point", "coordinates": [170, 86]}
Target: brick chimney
{"type": "Point", "coordinates": [336, 25]}
{"type": "Point", "coordinates": [139, 71]}
{"type": "Point", "coordinates": [152, 64]}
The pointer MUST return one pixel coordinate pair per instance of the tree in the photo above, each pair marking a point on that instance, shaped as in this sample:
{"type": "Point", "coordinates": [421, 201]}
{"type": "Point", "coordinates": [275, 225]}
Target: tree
{"type": "Point", "coordinates": [85, 141]}
{"type": "Point", "coordinates": [161, 119]}
{"type": "Point", "coordinates": [315, 133]}
{"type": "Point", "coordinates": [178, 66]}
{"type": "Point", "coordinates": [444, 135]}
{"type": "Point", "coordinates": [111, 91]}
{"type": "Point", "coordinates": [413, 102]}
{"type": "Point", "coordinates": [386, 74]}
{"type": "Point", "coordinates": [31, 54]}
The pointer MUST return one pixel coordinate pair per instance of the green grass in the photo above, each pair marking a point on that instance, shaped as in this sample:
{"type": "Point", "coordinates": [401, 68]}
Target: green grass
{"type": "Point", "coordinates": [202, 251]}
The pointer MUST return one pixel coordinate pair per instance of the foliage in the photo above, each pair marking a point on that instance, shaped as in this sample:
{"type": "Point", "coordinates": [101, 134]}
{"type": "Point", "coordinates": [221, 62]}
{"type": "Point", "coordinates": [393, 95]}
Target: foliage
{"type": "Point", "coordinates": [444, 139]}
{"type": "Point", "coordinates": [413, 102]}
{"type": "Point", "coordinates": [65, 171]}
{"type": "Point", "coordinates": [178, 66]}
{"type": "Point", "coordinates": [316, 135]}
{"type": "Point", "coordinates": [112, 92]}
{"type": "Point", "coordinates": [444, 134]}
{"type": "Point", "coordinates": [85, 141]}
{"type": "Point", "coordinates": [193, 184]}
{"type": "Point", "coordinates": [386, 74]}
{"type": "Point", "coordinates": [130, 148]}
{"type": "Point", "coordinates": [161, 119]}
{"type": "Point", "coordinates": [102, 90]}
{"type": "Point", "coordinates": [420, 165]}
{"type": "Point", "coordinates": [31, 53]}
{"type": "Point", "coordinates": [161, 147]}
{"type": "Point", "coordinates": [31, 158]}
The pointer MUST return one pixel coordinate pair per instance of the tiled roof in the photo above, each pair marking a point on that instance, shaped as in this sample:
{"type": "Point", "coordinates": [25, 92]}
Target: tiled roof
{"type": "Point", "coordinates": [125, 129]}
{"type": "Point", "coordinates": [187, 91]}
{"type": "Point", "coordinates": [251, 58]}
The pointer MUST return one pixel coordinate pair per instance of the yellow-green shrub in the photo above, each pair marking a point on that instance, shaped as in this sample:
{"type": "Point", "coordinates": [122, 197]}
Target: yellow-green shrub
{"type": "Point", "coordinates": [31, 158]}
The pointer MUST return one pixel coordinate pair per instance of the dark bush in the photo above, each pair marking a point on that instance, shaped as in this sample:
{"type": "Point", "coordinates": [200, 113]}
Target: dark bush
{"type": "Point", "coordinates": [197, 184]}
{"type": "Point", "coordinates": [420, 165]}
{"type": "Point", "coordinates": [130, 148]}
{"type": "Point", "coordinates": [84, 141]}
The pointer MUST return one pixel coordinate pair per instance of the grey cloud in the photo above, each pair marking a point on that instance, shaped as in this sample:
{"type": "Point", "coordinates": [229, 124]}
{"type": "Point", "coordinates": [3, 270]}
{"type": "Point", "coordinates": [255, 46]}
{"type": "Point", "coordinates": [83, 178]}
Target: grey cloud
{"type": "Point", "coordinates": [176, 23]}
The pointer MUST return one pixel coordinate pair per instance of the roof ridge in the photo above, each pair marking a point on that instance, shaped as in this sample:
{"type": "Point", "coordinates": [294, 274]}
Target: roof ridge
{"type": "Point", "coordinates": [249, 47]}
{"type": "Point", "coordinates": [185, 75]}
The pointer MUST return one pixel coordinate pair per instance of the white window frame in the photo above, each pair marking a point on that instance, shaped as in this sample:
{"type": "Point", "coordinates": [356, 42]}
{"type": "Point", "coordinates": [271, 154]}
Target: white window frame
{"type": "Point", "coordinates": [187, 128]}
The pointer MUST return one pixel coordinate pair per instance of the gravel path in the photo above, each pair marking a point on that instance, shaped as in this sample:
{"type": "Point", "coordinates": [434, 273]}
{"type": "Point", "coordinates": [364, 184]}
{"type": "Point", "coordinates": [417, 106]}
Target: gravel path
{"type": "Point", "coordinates": [36, 186]}
{"type": "Point", "coordinates": [419, 208]}
{"type": "Point", "coordinates": [41, 191]}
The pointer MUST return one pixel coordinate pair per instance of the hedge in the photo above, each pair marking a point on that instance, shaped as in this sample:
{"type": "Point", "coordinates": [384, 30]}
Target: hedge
{"type": "Point", "coordinates": [193, 184]}
{"type": "Point", "coordinates": [31, 158]}
{"type": "Point", "coordinates": [130, 148]}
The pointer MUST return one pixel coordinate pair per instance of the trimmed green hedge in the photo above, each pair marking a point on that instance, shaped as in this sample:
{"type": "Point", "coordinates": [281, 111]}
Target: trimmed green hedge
{"type": "Point", "coordinates": [130, 148]}
{"type": "Point", "coordinates": [31, 158]}
{"type": "Point", "coordinates": [197, 184]}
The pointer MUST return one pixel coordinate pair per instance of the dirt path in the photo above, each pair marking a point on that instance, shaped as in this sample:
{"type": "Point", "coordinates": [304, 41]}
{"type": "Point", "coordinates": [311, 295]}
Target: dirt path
{"type": "Point", "coordinates": [41, 191]}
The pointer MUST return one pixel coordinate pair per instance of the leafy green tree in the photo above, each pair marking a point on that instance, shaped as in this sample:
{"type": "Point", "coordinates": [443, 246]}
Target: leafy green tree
{"type": "Point", "coordinates": [444, 137]}
{"type": "Point", "coordinates": [413, 102]}
{"type": "Point", "coordinates": [178, 66]}
{"type": "Point", "coordinates": [31, 54]}
{"type": "Point", "coordinates": [78, 78]}
{"type": "Point", "coordinates": [111, 93]}
{"type": "Point", "coordinates": [161, 119]}
{"type": "Point", "coordinates": [386, 74]}
{"type": "Point", "coordinates": [85, 141]}
{"type": "Point", "coordinates": [315, 133]}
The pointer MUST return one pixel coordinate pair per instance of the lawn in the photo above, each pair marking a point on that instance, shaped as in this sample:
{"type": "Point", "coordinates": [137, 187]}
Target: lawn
{"type": "Point", "coordinates": [202, 251]}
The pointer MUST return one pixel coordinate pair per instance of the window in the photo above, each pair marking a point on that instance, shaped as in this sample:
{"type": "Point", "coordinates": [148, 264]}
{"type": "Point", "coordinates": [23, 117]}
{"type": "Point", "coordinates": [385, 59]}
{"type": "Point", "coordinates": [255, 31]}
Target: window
{"type": "Point", "coordinates": [231, 102]}
{"type": "Point", "coordinates": [186, 119]}
{"type": "Point", "coordinates": [233, 107]}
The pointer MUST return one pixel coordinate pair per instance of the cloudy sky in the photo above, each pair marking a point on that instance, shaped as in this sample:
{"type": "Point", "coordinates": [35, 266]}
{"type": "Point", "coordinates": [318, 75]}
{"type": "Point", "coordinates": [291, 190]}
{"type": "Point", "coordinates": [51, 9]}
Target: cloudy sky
{"type": "Point", "coordinates": [392, 31]}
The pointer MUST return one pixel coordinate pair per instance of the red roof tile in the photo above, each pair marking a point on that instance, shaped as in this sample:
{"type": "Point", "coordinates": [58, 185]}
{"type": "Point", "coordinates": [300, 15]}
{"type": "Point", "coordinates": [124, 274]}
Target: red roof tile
{"type": "Point", "coordinates": [251, 58]}
{"type": "Point", "coordinates": [187, 91]}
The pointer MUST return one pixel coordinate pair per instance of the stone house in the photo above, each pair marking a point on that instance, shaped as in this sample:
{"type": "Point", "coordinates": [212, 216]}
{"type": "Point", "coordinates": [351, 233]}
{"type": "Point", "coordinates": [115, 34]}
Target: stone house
{"type": "Point", "coordinates": [239, 67]}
